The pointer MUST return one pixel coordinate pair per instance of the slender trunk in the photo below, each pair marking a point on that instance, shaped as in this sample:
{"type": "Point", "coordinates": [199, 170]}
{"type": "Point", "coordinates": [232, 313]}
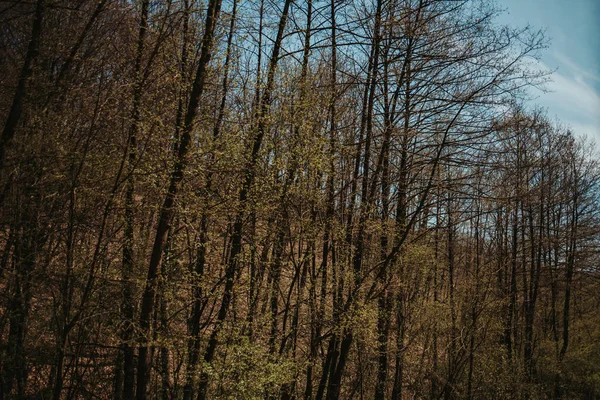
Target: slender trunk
{"type": "Point", "coordinates": [384, 300]}
{"type": "Point", "coordinates": [275, 277]}
{"type": "Point", "coordinates": [283, 225]}
{"type": "Point", "coordinates": [33, 50]}
{"type": "Point", "coordinates": [508, 328]}
{"type": "Point", "coordinates": [334, 388]}
{"type": "Point", "coordinates": [66, 296]}
{"type": "Point", "coordinates": [569, 276]}
{"type": "Point", "coordinates": [197, 307]}
{"type": "Point", "coordinates": [167, 209]}
{"type": "Point", "coordinates": [452, 351]}
{"type": "Point", "coordinates": [254, 271]}
{"type": "Point", "coordinates": [328, 365]}
{"type": "Point", "coordinates": [165, 371]}
{"type": "Point", "coordinates": [434, 379]}
{"type": "Point", "coordinates": [27, 244]}
{"type": "Point", "coordinates": [249, 174]}
{"type": "Point", "coordinates": [327, 235]}
{"type": "Point", "coordinates": [65, 70]}
{"type": "Point", "coordinates": [400, 332]}
{"type": "Point", "coordinates": [476, 294]}
{"type": "Point", "coordinates": [127, 305]}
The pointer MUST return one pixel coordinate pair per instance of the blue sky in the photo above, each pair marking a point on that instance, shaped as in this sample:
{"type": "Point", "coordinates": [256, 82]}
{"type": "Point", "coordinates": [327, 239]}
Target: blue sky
{"type": "Point", "coordinates": [574, 29]}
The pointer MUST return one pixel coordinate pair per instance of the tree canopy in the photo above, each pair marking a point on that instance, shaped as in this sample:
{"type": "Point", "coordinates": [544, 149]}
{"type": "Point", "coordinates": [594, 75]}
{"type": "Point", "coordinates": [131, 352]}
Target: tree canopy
{"type": "Point", "coordinates": [310, 199]}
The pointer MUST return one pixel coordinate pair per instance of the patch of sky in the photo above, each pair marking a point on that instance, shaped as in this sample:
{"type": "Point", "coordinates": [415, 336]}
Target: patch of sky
{"type": "Point", "coordinates": [574, 55]}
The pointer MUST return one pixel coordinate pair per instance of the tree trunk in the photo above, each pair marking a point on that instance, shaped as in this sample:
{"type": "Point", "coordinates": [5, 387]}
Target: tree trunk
{"type": "Point", "coordinates": [167, 209]}
{"type": "Point", "coordinates": [33, 50]}
{"type": "Point", "coordinates": [249, 174]}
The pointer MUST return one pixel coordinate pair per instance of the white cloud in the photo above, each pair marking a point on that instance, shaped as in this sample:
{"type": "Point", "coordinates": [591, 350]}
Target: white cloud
{"type": "Point", "coordinates": [576, 69]}
{"type": "Point", "coordinates": [573, 99]}
{"type": "Point", "coordinates": [589, 130]}
{"type": "Point", "coordinates": [574, 95]}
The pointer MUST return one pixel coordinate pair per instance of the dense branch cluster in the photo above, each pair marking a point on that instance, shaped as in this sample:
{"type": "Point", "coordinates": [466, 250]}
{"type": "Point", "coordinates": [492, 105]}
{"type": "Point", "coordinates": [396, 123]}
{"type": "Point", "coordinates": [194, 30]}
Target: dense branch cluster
{"type": "Point", "coordinates": [310, 199]}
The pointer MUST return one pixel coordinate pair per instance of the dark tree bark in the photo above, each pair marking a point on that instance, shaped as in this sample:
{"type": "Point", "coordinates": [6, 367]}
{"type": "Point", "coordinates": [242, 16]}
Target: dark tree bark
{"type": "Point", "coordinates": [16, 109]}
{"type": "Point", "coordinates": [167, 209]}
{"type": "Point", "coordinates": [126, 369]}
{"type": "Point", "coordinates": [249, 175]}
{"type": "Point", "coordinates": [199, 265]}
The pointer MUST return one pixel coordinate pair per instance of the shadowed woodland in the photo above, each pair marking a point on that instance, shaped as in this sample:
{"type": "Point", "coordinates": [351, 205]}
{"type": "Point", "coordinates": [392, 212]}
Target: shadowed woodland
{"type": "Point", "coordinates": [308, 199]}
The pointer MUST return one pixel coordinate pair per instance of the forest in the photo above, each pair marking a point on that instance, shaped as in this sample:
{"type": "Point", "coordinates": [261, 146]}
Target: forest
{"type": "Point", "coordinates": [277, 199]}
